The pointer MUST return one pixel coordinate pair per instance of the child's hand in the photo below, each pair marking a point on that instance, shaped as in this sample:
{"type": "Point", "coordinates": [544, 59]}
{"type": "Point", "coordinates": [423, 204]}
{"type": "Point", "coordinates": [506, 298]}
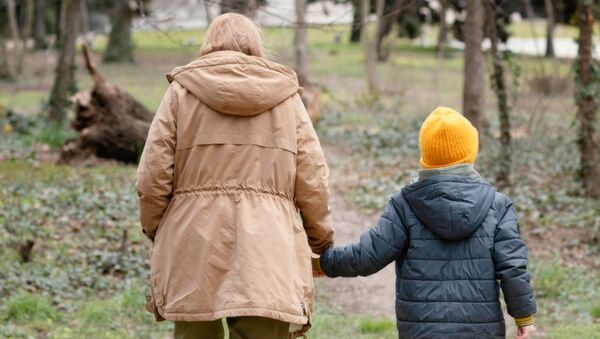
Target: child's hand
{"type": "Point", "coordinates": [525, 332]}
{"type": "Point", "coordinates": [316, 268]}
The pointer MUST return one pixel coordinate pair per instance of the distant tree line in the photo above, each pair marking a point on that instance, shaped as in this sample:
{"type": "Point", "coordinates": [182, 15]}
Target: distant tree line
{"type": "Point", "coordinates": [56, 24]}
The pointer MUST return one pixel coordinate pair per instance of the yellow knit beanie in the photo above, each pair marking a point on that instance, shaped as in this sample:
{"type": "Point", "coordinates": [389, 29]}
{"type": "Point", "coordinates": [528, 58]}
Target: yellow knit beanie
{"type": "Point", "coordinates": [447, 138]}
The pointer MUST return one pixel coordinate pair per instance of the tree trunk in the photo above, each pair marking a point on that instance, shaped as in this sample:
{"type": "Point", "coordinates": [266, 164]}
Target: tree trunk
{"type": "Point", "coordinates": [40, 25]}
{"type": "Point", "coordinates": [29, 19]}
{"type": "Point", "coordinates": [550, 25]}
{"type": "Point", "coordinates": [5, 70]}
{"type": "Point", "coordinates": [85, 22]}
{"type": "Point", "coordinates": [111, 123]}
{"type": "Point", "coordinates": [499, 86]}
{"type": "Point", "coordinates": [389, 16]}
{"type": "Point", "coordinates": [311, 96]}
{"type": "Point", "coordinates": [356, 28]}
{"type": "Point", "coordinates": [382, 52]}
{"type": "Point", "coordinates": [17, 39]}
{"type": "Point", "coordinates": [64, 80]}
{"type": "Point", "coordinates": [300, 44]}
{"type": "Point", "coordinates": [474, 68]}
{"type": "Point", "coordinates": [59, 18]}
{"type": "Point", "coordinates": [370, 52]}
{"type": "Point", "coordinates": [529, 12]}
{"type": "Point", "coordinates": [207, 12]}
{"type": "Point", "coordinates": [586, 97]}
{"type": "Point", "coordinates": [252, 9]}
{"type": "Point", "coordinates": [442, 38]}
{"type": "Point", "coordinates": [120, 46]}
{"type": "Point", "coordinates": [236, 6]}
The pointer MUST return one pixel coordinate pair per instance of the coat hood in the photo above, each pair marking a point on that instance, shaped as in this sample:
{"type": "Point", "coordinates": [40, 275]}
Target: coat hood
{"type": "Point", "coordinates": [450, 206]}
{"type": "Point", "coordinates": [236, 84]}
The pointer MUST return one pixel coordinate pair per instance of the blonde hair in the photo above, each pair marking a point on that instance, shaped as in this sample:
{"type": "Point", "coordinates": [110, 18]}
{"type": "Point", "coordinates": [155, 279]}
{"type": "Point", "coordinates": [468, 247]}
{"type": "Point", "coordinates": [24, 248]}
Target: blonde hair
{"type": "Point", "coordinates": [233, 32]}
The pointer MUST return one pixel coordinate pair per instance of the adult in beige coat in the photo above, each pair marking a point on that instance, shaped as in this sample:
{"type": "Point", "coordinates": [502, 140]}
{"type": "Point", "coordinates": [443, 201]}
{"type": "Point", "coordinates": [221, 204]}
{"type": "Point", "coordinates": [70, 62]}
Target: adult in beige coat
{"type": "Point", "coordinates": [233, 193]}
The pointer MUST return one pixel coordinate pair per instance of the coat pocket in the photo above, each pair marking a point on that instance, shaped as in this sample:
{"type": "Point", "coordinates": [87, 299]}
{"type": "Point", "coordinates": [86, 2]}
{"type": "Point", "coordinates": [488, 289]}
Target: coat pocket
{"type": "Point", "coordinates": [152, 304]}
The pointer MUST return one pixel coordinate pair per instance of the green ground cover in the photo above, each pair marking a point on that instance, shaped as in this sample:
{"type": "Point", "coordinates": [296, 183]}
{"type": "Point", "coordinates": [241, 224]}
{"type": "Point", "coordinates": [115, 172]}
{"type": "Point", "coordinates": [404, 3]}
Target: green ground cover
{"type": "Point", "coordinates": [85, 280]}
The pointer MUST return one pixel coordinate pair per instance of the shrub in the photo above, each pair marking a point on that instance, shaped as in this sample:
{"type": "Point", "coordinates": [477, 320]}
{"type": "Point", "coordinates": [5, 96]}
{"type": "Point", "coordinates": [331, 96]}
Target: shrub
{"type": "Point", "coordinates": [29, 307]}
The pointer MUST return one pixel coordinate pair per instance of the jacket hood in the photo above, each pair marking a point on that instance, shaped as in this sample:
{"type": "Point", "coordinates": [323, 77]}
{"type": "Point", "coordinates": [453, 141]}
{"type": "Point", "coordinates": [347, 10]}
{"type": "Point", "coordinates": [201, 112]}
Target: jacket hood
{"type": "Point", "coordinates": [234, 83]}
{"type": "Point", "coordinates": [450, 206]}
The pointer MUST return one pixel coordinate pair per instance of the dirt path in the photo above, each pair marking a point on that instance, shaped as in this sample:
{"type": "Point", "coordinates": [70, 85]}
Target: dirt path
{"type": "Point", "coordinates": [373, 295]}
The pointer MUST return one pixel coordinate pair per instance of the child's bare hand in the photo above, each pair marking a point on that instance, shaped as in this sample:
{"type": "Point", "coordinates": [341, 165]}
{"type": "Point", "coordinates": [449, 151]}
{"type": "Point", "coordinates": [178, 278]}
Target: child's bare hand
{"type": "Point", "coordinates": [525, 332]}
{"type": "Point", "coordinates": [316, 268]}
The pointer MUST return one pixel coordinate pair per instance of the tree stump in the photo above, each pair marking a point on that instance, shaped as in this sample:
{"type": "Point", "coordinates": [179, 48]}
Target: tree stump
{"type": "Point", "coordinates": [111, 123]}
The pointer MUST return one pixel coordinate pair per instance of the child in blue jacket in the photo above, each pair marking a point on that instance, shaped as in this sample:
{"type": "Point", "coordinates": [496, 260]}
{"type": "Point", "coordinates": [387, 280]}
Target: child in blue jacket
{"type": "Point", "coordinates": [455, 241]}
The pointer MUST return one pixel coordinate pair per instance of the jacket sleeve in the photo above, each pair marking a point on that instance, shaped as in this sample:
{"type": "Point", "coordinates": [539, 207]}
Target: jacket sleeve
{"type": "Point", "coordinates": [312, 183]}
{"type": "Point", "coordinates": [377, 247]}
{"type": "Point", "coordinates": [510, 263]}
{"type": "Point", "coordinates": [154, 183]}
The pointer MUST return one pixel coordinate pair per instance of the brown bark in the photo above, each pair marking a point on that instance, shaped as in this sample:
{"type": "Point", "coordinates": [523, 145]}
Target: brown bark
{"type": "Point", "coordinates": [120, 45]}
{"type": "Point", "coordinates": [236, 6]}
{"type": "Point", "coordinates": [370, 52]}
{"type": "Point", "coordinates": [59, 21]}
{"type": "Point", "coordinates": [64, 80]}
{"type": "Point", "coordinates": [29, 19]}
{"type": "Point", "coordinates": [252, 9]}
{"type": "Point", "coordinates": [356, 28]}
{"type": "Point", "coordinates": [382, 52]}
{"type": "Point", "coordinates": [207, 12]}
{"type": "Point", "coordinates": [385, 23]}
{"type": "Point", "coordinates": [586, 97]}
{"type": "Point", "coordinates": [442, 38]}
{"type": "Point", "coordinates": [40, 25]}
{"type": "Point", "coordinates": [5, 69]}
{"type": "Point", "coordinates": [550, 25]}
{"type": "Point", "coordinates": [5, 72]}
{"type": "Point", "coordinates": [18, 44]}
{"type": "Point", "coordinates": [499, 86]}
{"type": "Point", "coordinates": [85, 22]}
{"type": "Point", "coordinates": [474, 68]}
{"type": "Point", "coordinates": [26, 250]}
{"type": "Point", "coordinates": [111, 123]}
{"type": "Point", "coordinates": [529, 12]}
{"type": "Point", "coordinates": [300, 45]}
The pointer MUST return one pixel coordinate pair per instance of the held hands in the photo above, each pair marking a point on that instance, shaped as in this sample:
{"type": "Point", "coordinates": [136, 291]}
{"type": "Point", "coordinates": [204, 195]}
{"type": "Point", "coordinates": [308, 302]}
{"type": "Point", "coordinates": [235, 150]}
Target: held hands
{"type": "Point", "coordinates": [316, 267]}
{"type": "Point", "coordinates": [525, 332]}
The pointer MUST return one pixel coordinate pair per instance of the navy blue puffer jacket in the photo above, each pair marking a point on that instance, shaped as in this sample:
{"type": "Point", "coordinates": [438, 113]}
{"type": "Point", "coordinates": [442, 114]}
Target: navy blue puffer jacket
{"type": "Point", "coordinates": [453, 239]}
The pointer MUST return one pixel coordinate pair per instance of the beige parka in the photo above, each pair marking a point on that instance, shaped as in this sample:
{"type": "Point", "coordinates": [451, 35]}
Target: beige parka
{"type": "Point", "coordinates": [233, 191]}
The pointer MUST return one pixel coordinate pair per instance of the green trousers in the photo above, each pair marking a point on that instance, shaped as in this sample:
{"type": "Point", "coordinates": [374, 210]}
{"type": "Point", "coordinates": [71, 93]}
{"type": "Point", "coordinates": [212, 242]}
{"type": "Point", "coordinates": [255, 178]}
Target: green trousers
{"type": "Point", "coordinates": [239, 328]}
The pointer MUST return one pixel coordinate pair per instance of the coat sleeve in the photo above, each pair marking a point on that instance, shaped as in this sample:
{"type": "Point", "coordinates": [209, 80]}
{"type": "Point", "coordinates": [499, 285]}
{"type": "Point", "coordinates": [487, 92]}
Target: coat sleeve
{"type": "Point", "coordinates": [510, 263]}
{"type": "Point", "coordinates": [312, 183]}
{"type": "Point", "coordinates": [154, 183]}
{"type": "Point", "coordinates": [377, 247]}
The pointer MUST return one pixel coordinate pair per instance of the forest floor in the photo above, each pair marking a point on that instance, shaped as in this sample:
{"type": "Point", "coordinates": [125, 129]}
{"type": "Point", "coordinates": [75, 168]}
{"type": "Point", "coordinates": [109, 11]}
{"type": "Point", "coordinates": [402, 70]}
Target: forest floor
{"type": "Point", "coordinates": [87, 273]}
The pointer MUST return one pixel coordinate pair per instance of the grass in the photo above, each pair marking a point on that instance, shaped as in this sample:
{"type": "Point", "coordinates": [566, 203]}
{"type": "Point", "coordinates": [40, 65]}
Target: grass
{"type": "Point", "coordinates": [93, 289]}
{"type": "Point", "coordinates": [524, 28]}
{"type": "Point", "coordinates": [589, 331]}
{"type": "Point", "coordinates": [566, 296]}
{"type": "Point", "coordinates": [334, 325]}
{"type": "Point", "coordinates": [77, 215]}
{"type": "Point", "coordinates": [26, 307]}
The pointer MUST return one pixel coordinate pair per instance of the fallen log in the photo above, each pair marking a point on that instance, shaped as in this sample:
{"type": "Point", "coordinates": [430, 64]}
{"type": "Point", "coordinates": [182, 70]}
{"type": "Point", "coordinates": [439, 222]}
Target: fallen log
{"type": "Point", "coordinates": [111, 123]}
{"type": "Point", "coordinates": [114, 125]}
